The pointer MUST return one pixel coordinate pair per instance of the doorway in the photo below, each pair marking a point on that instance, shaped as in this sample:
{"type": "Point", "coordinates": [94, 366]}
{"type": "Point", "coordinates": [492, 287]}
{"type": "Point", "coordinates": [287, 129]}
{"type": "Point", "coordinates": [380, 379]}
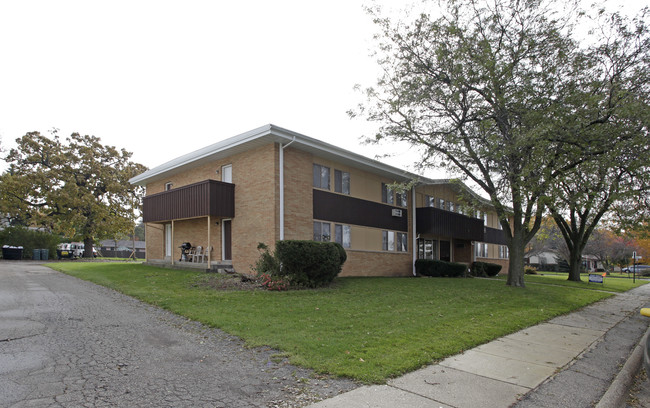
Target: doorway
{"type": "Point", "coordinates": [445, 251]}
{"type": "Point", "coordinates": [226, 240]}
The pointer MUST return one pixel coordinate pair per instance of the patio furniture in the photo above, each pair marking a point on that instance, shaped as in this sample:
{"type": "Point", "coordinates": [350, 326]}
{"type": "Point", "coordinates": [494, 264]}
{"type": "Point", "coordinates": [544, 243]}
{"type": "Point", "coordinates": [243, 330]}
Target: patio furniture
{"type": "Point", "coordinates": [198, 254]}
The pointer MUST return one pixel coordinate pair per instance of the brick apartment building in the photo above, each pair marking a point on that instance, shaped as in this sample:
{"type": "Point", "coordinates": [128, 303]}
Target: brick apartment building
{"type": "Point", "coordinates": [270, 184]}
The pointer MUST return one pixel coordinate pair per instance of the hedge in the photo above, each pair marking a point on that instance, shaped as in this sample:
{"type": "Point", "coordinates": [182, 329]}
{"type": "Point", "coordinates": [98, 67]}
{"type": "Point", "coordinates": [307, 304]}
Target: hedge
{"type": "Point", "coordinates": [29, 240]}
{"type": "Point", "coordinates": [483, 269]}
{"type": "Point", "coordinates": [435, 268]}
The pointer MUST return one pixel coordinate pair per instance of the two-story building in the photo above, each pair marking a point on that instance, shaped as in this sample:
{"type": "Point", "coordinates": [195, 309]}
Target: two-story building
{"type": "Point", "coordinates": [271, 184]}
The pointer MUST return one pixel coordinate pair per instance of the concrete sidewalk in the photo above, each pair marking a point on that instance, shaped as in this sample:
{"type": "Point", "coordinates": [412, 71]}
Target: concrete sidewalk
{"type": "Point", "coordinates": [571, 360]}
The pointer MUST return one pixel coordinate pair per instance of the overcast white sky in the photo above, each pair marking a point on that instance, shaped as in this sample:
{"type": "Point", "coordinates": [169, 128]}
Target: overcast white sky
{"type": "Point", "coordinates": [161, 78]}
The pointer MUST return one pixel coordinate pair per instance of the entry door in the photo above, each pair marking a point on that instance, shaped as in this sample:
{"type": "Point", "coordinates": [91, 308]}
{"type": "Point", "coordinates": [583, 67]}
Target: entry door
{"type": "Point", "coordinates": [226, 239]}
{"type": "Point", "coordinates": [168, 241]}
{"type": "Point", "coordinates": [445, 251]}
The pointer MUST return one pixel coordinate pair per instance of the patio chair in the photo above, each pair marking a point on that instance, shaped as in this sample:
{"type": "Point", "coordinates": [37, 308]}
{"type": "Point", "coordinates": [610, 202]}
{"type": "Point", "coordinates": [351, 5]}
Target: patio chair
{"type": "Point", "coordinates": [190, 254]}
{"type": "Point", "coordinates": [198, 254]}
{"type": "Point", "coordinates": [206, 254]}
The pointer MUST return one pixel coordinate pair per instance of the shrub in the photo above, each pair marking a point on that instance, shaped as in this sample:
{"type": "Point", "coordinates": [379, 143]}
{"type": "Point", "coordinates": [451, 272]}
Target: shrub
{"type": "Point", "coordinates": [310, 263]}
{"type": "Point", "coordinates": [483, 269]}
{"type": "Point", "coordinates": [300, 263]}
{"type": "Point", "coordinates": [530, 270]}
{"type": "Point", "coordinates": [29, 240]}
{"type": "Point", "coordinates": [435, 268]}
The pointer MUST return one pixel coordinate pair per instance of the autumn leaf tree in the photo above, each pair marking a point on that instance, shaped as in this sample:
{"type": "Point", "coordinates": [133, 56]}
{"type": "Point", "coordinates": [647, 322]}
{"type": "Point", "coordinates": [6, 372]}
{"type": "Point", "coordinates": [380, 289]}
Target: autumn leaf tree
{"type": "Point", "coordinates": [483, 91]}
{"type": "Point", "coordinates": [77, 187]}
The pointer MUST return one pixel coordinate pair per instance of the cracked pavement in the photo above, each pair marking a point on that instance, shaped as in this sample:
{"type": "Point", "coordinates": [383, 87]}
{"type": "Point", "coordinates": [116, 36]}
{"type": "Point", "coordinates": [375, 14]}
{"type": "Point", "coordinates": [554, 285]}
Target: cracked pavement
{"type": "Point", "coordinates": [65, 342]}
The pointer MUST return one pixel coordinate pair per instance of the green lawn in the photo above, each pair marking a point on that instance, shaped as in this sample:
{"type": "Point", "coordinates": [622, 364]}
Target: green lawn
{"type": "Point", "coordinates": [613, 283]}
{"type": "Point", "coordinates": [369, 329]}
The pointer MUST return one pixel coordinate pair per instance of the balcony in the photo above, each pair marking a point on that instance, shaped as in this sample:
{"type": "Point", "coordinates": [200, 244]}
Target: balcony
{"type": "Point", "coordinates": [449, 224]}
{"type": "Point", "coordinates": [201, 199]}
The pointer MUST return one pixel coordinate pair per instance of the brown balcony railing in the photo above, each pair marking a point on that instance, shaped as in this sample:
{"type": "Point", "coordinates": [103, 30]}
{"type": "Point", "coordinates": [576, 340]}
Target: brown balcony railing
{"type": "Point", "coordinates": [449, 224]}
{"type": "Point", "coordinates": [209, 197]}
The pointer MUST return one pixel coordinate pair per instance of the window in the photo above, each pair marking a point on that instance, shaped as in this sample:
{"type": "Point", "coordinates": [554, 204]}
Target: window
{"type": "Point", "coordinates": [451, 206]}
{"type": "Point", "coordinates": [402, 242]}
{"type": "Point", "coordinates": [342, 235]}
{"type": "Point", "coordinates": [168, 186]}
{"type": "Point", "coordinates": [388, 240]}
{"type": "Point", "coordinates": [386, 194]}
{"type": "Point", "coordinates": [504, 253]}
{"type": "Point", "coordinates": [321, 177]}
{"type": "Point", "coordinates": [226, 173]}
{"type": "Point", "coordinates": [427, 249]}
{"type": "Point", "coordinates": [441, 203]}
{"type": "Point", "coordinates": [485, 219]}
{"type": "Point", "coordinates": [322, 231]}
{"type": "Point", "coordinates": [429, 201]}
{"type": "Point", "coordinates": [401, 199]}
{"type": "Point", "coordinates": [481, 250]}
{"type": "Point", "coordinates": [341, 182]}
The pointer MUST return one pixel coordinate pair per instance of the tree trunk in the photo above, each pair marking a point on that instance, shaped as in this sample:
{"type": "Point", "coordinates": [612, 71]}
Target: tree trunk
{"type": "Point", "coordinates": [575, 264]}
{"type": "Point", "coordinates": [88, 248]}
{"type": "Point", "coordinates": [516, 262]}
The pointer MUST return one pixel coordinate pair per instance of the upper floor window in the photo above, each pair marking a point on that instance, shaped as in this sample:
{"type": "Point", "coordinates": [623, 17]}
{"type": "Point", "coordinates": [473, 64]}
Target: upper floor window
{"type": "Point", "coordinates": [168, 186]}
{"type": "Point", "coordinates": [429, 201]}
{"type": "Point", "coordinates": [451, 206]}
{"type": "Point", "coordinates": [387, 194]}
{"type": "Point", "coordinates": [485, 219]}
{"type": "Point", "coordinates": [342, 182]}
{"type": "Point", "coordinates": [401, 199]}
{"type": "Point", "coordinates": [226, 173]}
{"type": "Point", "coordinates": [441, 203]}
{"type": "Point", "coordinates": [321, 177]}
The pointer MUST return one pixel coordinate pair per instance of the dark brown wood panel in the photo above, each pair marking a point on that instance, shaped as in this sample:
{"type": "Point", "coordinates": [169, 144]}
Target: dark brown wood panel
{"type": "Point", "coordinates": [449, 224]}
{"type": "Point", "coordinates": [209, 197]}
{"type": "Point", "coordinates": [349, 210]}
{"type": "Point", "coordinates": [495, 236]}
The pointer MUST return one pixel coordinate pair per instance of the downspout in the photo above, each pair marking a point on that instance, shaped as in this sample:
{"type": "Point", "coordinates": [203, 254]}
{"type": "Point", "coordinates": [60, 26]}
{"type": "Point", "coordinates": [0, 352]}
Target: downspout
{"type": "Point", "coordinates": [282, 187]}
{"type": "Point", "coordinates": [415, 231]}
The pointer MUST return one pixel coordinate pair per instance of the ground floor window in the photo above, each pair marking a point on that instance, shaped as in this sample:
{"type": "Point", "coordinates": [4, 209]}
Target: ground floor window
{"type": "Point", "coordinates": [481, 250]}
{"type": "Point", "coordinates": [427, 249]}
{"type": "Point", "coordinates": [322, 231]}
{"type": "Point", "coordinates": [504, 252]}
{"type": "Point", "coordinates": [402, 242]}
{"type": "Point", "coordinates": [388, 240]}
{"type": "Point", "coordinates": [342, 235]}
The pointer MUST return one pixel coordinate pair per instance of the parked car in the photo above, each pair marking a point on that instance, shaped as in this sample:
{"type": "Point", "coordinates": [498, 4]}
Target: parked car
{"type": "Point", "coordinates": [72, 250]}
{"type": "Point", "coordinates": [638, 269]}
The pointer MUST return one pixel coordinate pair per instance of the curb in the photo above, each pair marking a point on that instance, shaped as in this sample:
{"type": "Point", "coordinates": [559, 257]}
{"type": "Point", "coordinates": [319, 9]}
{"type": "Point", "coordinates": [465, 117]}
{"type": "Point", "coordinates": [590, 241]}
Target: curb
{"type": "Point", "coordinates": [617, 392]}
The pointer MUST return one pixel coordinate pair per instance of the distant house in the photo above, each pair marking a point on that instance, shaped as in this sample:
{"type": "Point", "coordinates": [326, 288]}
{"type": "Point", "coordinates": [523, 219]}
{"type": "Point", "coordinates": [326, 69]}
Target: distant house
{"type": "Point", "coordinates": [551, 260]}
{"type": "Point", "coordinates": [122, 248]}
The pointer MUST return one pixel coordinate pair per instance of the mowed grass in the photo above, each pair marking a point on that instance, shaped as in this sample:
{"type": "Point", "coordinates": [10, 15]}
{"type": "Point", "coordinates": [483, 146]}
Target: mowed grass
{"type": "Point", "coordinates": [368, 329]}
{"type": "Point", "coordinates": [610, 284]}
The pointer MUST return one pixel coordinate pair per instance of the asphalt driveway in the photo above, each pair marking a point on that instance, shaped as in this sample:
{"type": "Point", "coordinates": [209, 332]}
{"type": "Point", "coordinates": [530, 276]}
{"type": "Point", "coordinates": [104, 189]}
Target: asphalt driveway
{"type": "Point", "coordinates": [67, 342]}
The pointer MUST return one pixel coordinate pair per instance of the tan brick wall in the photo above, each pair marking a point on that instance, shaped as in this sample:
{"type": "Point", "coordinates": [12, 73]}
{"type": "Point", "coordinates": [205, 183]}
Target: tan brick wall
{"type": "Point", "coordinates": [256, 207]}
{"type": "Point", "coordinates": [256, 204]}
{"type": "Point", "coordinates": [155, 240]}
{"type": "Point", "coordinates": [298, 194]}
{"type": "Point", "coordinates": [361, 263]}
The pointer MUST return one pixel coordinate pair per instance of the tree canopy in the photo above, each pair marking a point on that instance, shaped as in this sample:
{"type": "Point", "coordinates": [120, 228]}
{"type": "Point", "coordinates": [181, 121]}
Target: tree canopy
{"type": "Point", "coordinates": [78, 188]}
{"type": "Point", "coordinates": [501, 93]}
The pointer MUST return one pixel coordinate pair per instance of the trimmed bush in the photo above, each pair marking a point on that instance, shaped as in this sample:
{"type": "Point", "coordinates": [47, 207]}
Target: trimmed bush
{"type": "Point", "coordinates": [301, 263]}
{"type": "Point", "coordinates": [530, 270]}
{"type": "Point", "coordinates": [436, 268]}
{"type": "Point", "coordinates": [483, 269]}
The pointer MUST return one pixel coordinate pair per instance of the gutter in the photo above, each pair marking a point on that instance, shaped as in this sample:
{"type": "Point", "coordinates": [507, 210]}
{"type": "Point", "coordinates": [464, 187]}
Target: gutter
{"type": "Point", "coordinates": [282, 147]}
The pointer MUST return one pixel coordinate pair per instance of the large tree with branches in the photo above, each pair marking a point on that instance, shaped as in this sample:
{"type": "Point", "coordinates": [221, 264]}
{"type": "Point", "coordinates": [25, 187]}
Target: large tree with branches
{"type": "Point", "coordinates": [483, 90]}
{"type": "Point", "coordinates": [78, 188]}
